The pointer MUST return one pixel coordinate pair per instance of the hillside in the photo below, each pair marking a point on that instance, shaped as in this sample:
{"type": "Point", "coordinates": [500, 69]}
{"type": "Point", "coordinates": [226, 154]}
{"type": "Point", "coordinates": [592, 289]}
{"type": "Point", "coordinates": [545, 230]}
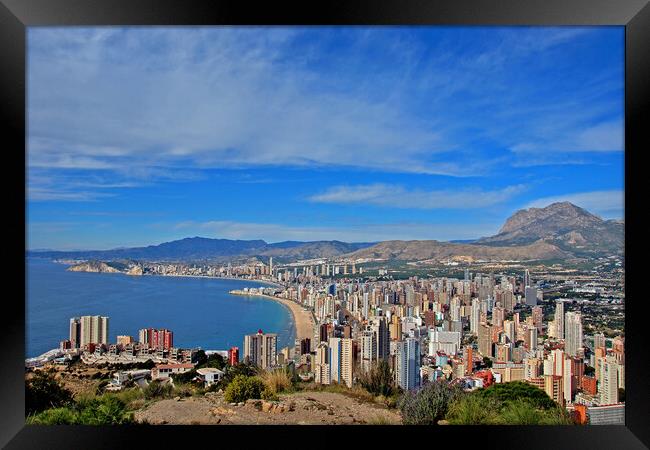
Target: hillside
{"type": "Point", "coordinates": [564, 225]}
{"type": "Point", "coordinates": [558, 231]}
{"type": "Point", "coordinates": [439, 251]}
{"type": "Point", "coordinates": [201, 249]}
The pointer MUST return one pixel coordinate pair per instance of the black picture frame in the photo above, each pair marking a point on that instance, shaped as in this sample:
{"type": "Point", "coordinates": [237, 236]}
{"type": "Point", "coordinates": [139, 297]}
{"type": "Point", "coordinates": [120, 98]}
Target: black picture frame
{"type": "Point", "coordinates": [16, 15]}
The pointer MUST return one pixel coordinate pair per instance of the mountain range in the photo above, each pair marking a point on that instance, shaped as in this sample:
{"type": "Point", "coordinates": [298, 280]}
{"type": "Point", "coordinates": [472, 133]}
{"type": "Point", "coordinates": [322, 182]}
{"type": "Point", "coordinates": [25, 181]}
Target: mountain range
{"type": "Point", "coordinates": [558, 231]}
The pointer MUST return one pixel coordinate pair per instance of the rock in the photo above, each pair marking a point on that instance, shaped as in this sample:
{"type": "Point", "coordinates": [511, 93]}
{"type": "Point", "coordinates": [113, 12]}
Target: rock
{"type": "Point", "coordinates": [240, 404]}
{"type": "Point", "coordinates": [178, 399]}
{"type": "Point", "coordinates": [233, 404]}
{"type": "Point", "coordinates": [266, 406]}
{"type": "Point", "coordinates": [443, 422]}
{"type": "Point", "coordinates": [220, 391]}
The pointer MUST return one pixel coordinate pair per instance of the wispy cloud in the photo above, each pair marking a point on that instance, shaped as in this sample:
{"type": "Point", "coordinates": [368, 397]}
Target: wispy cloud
{"type": "Point", "coordinates": [400, 197]}
{"type": "Point", "coordinates": [365, 232]}
{"type": "Point", "coordinates": [212, 97]}
{"type": "Point", "coordinates": [607, 204]}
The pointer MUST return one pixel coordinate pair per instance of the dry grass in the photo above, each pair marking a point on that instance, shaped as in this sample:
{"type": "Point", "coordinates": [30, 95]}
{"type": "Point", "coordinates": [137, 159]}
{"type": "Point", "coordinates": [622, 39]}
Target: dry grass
{"type": "Point", "coordinates": [276, 380]}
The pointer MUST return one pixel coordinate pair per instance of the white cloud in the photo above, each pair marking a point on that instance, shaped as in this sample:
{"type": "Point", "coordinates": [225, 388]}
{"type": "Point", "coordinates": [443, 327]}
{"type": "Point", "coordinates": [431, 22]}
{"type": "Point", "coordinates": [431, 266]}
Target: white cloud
{"type": "Point", "coordinates": [400, 197]}
{"type": "Point", "coordinates": [607, 204]}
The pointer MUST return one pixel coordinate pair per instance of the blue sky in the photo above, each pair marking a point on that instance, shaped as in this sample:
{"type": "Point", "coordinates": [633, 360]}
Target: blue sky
{"type": "Point", "coordinates": [138, 136]}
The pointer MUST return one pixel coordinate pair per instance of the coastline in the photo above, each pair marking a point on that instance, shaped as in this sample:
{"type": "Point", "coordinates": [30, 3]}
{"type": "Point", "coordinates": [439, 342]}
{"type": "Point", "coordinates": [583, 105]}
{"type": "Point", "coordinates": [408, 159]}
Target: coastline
{"type": "Point", "coordinates": [302, 320]}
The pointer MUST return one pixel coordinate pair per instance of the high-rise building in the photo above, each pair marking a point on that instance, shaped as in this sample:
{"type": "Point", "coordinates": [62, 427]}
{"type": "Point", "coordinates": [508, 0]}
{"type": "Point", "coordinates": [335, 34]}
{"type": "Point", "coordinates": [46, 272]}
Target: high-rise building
{"type": "Point", "coordinates": [608, 388]}
{"type": "Point", "coordinates": [162, 339]}
{"type": "Point", "coordinates": [75, 332]}
{"type": "Point", "coordinates": [395, 328]}
{"type": "Point", "coordinates": [340, 360]}
{"type": "Point", "coordinates": [559, 319]}
{"type": "Point", "coordinates": [531, 296]}
{"type": "Point", "coordinates": [468, 358]}
{"type": "Point", "coordinates": [380, 329]}
{"type": "Point", "coordinates": [261, 349]}
{"type": "Point", "coordinates": [445, 341]}
{"type": "Point", "coordinates": [368, 349]}
{"type": "Point", "coordinates": [573, 333]}
{"type": "Point", "coordinates": [510, 330]}
{"type": "Point", "coordinates": [93, 330]}
{"type": "Point", "coordinates": [322, 364]}
{"type": "Point", "coordinates": [598, 340]}
{"type": "Point", "coordinates": [305, 346]}
{"type": "Point", "coordinates": [485, 340]}
{"type": "Point", "coordinates": [538, 317]}
{"type": "Point", "coordinates": [233, 356]}
{"type": "Point", "coordinates": [498, 316]}
{"type": "Point", "coordinates": [503, 352]}
{"type": "Point", "coordinates": [532, 338]}
{"type": "Point", "coordinates": [526, 279]}
{"type": "Point", "coordinates": [475, 316]}
{"type": "Point", "coordinates": [408, 363]}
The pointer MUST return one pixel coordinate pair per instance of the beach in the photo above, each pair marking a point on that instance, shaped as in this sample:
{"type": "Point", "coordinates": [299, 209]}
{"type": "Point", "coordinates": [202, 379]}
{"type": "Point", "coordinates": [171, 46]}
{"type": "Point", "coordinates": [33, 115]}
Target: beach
{"type": "Point", "coordinates": [303, 320]}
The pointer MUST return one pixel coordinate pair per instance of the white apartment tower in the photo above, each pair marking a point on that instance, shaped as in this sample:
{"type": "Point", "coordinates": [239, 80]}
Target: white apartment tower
{"type": "Point", "coordinates": [93, 330]}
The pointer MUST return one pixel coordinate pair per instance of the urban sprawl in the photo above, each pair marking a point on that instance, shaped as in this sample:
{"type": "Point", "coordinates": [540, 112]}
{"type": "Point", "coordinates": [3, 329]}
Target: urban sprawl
{"type": "Point", "coordinates": [476, 330]}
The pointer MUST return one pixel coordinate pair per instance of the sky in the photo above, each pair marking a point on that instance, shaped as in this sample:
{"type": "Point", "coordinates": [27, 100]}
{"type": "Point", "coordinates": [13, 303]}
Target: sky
{"type": "Point", "coordinates": [142, 135]}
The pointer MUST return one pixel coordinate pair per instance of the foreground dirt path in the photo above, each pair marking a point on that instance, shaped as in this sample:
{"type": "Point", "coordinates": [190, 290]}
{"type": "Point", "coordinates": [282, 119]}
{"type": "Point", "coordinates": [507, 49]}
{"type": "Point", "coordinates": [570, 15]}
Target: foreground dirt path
{"type": "Point", "coordinates": [302, 408]}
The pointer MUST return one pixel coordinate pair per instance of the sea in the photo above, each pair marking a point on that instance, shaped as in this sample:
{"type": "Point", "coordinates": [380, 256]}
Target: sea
{"type": "Point", "coordinates": [200, 311]}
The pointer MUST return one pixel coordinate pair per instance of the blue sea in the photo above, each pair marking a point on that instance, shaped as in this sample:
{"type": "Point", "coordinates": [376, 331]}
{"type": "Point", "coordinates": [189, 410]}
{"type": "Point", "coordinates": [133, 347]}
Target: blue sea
{"type": "Point", "coordinates": [199, 311]}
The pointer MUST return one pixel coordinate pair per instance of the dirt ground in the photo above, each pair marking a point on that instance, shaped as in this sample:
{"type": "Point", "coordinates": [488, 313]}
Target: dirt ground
{"type": "Point", "coordinates": [301, 408]}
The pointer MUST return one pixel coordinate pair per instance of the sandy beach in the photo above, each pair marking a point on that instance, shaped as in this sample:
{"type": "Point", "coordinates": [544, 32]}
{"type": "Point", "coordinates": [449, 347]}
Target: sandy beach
{"type": "Point", "coordinates": [302, 319]}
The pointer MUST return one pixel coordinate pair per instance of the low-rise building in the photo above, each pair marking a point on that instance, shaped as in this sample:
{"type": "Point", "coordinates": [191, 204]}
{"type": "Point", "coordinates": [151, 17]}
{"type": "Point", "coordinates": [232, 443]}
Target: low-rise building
{"type": "Point", "coordinates": [165, 370]}
{"type": "Point", "coordinates": [210, 375]}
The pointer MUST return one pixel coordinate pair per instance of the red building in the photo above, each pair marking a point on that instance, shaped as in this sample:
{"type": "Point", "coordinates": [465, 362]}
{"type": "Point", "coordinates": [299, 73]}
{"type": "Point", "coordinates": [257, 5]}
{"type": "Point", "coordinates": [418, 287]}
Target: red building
{"type": "Point", "coordinates": [233, 356]}
{"type": "Point", "coordinates": [589, 385]}
{"type": "Point", "coordinates": [486, 376]}
{"type": "Point", "coordinates": [162, 339]}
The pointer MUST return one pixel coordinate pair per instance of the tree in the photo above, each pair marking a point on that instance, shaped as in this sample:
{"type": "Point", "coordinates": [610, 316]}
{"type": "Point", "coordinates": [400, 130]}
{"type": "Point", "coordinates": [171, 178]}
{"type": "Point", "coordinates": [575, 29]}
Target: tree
{"type": "Point", "coordinates": [245, 369]}
{"type": "Point", "coordinates": [215, 360]}
{"type": "Point", "coordinates": [201, 358]}
{"type": "Point", "coordinates": [43, 391]}
{"type": "Point", "coordinates": [487, 362]}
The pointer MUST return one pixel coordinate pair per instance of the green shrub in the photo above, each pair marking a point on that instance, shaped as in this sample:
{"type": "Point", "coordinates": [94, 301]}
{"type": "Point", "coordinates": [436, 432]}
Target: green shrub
{"type": "Point", "coordinates": [54, 416]}
{"type": "Point", "coordinates": [472, 410]}
{"type": "Point", "coordinates": [43, 391]}
{"type": "Point", "coordinates": [105, 410]}
{"type": "Point", "coordinates": [268, 394]}
{"type": "Point", "coordinates": [156, 389]}
{"type": "Point", "coordinates": [245, 369]}
{"type": "Point", "coordinates": [429, 404]}
{"type": "Point", "coordinates": [241, 388]}
{"type": "Point", "coordinates": [518, 390]}
{"type": "Point", "coordinates": [185, 377]}
{"type": "Point", "coordinates": [379, 380]}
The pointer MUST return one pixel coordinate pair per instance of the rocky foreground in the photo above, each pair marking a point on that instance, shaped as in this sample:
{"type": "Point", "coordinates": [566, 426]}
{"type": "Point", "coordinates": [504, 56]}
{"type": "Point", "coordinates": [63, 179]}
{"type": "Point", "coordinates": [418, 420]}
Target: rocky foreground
{"type": "Point", "coordinates": [300, 408]}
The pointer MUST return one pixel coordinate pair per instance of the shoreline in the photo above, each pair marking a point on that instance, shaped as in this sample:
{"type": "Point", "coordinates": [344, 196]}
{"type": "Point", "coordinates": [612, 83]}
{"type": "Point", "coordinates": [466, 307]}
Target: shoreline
{"type": "Point", "coordinates": [303, 321]}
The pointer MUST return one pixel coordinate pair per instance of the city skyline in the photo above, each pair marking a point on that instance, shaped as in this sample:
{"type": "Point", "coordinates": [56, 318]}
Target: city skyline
{"type": "Point", "coordinates": [139, 136]}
